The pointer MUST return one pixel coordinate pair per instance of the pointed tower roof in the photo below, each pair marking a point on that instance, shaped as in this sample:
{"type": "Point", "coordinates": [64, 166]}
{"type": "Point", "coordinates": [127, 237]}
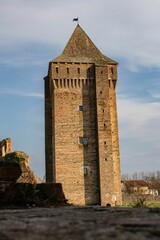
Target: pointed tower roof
{"type": "Point", "coordinates": [80, 48]}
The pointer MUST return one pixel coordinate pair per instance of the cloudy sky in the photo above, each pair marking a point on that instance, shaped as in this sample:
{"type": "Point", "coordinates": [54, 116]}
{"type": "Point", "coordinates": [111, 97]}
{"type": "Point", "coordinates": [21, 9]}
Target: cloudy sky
{"type": "Point", "coordinates": [34, 32]}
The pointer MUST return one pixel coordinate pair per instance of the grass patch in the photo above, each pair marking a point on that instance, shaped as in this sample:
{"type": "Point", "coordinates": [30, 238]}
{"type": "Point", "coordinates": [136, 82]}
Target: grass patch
{"type": "Point", "coordinates": [153, 204]}
{"type": "Point", "coordinates": [149, 203]}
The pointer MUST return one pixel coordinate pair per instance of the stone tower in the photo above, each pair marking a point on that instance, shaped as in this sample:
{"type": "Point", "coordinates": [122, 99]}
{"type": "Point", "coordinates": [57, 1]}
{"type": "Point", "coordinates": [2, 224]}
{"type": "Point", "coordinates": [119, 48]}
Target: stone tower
{"type": "Point", "coordinates": [81, 131]}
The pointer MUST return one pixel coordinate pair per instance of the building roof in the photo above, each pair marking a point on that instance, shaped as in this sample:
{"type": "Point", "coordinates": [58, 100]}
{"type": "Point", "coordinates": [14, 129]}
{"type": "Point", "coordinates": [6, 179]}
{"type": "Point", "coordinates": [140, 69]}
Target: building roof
{"type": "Point", "coordinates": [136, 183]}
{"type": "Point", "coordinates": [80, 48]}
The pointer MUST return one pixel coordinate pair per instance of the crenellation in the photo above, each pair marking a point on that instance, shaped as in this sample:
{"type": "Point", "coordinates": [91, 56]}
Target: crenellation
{"type": "Point", "coordinates": [83, 84]}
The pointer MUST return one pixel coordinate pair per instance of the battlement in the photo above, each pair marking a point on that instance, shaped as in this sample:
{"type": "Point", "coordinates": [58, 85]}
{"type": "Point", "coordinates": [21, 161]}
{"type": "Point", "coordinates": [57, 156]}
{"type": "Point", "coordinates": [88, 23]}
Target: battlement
{"type": "Point", "coordinates": [73, 83]}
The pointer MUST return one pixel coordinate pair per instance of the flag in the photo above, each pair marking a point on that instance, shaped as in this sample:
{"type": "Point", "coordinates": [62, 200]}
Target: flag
{"type": "Point", "coordinates": [75, 19]}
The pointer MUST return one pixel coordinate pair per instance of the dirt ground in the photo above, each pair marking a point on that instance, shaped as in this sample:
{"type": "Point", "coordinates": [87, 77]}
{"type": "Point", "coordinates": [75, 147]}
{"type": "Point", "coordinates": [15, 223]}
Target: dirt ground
{"type": "Point", "coordinates": [70, 222]}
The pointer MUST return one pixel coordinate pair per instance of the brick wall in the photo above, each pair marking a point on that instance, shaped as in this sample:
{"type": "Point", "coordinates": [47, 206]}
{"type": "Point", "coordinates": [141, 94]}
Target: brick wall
{"type": "Point", "coordinates": [90, 172]}
{"type": "Point", "coordinates": [112, 76]}
{"type": "Point", "coordinates": [76, 165]}
{"type": "Point", "coordinates": [104, 136]}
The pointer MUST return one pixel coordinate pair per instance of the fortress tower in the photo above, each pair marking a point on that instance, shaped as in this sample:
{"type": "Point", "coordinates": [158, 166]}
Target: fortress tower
{"type": "Point", "coordinates": [81, 130]}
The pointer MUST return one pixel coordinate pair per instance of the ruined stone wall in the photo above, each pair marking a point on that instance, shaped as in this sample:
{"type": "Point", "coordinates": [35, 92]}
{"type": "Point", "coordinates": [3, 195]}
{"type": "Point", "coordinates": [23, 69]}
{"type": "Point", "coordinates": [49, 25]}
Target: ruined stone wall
{"type": "Point", "coordinates": [75, 133]}
{"type": "Point", "coordinates": [5, 147]}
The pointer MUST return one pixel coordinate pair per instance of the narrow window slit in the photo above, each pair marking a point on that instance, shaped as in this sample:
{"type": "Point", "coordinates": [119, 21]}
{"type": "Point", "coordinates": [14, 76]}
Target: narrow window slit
{"type": "Point", "coordinates": [80, 108]}
{"type": "Point", "coordinates": [83, 141]}
{"type": "Point", "coordinates": [112, 70]}
{"type": "Point", "coordinates": [56, 69]}
{"type": "Point", "coordinates": [109, 82]}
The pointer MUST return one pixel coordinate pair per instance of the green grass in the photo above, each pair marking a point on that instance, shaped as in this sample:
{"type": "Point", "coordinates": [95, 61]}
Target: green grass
{"type": "Point", "coordinates": [150, 204]}
{"type": "Point", "coordinates": [153, 204]}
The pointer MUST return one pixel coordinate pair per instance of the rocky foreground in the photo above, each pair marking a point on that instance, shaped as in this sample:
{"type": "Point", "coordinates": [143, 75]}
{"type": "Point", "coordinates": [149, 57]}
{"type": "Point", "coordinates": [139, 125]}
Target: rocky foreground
{"type": "Point", "coordinates": [69, 222]}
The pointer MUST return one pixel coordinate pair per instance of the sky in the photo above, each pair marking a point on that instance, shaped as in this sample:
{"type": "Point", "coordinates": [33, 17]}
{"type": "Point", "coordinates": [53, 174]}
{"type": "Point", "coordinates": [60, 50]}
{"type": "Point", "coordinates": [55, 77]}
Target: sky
{"type": "Point", "coordinates": [34, 32]}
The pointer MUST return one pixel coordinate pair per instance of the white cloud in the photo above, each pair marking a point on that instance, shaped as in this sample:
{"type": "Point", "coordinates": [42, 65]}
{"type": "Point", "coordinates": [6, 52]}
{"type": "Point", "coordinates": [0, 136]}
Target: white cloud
{"type": "Point", "coordinates": [20, 93]}
{"type": "Point", "coordinates": [16, 61]}
{"type": "Point", "coordinates": [139, 134]}
{"type": "Point", "coordinates": [155, 94]}
{"type": "Point", "coordinates": [138, 119]}
{"type": "Point", "coordinates": [127, 29]}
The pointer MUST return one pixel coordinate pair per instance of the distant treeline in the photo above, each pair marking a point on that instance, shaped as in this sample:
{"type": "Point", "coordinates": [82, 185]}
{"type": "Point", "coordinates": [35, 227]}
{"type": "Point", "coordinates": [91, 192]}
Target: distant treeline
{"type": "Point", "coordinates": [146, 176]}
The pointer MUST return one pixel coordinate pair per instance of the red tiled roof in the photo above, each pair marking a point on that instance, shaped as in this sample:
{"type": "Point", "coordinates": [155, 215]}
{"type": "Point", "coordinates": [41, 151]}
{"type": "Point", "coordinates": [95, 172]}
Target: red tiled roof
{"type": "Point", "coordinates": [136, 183]}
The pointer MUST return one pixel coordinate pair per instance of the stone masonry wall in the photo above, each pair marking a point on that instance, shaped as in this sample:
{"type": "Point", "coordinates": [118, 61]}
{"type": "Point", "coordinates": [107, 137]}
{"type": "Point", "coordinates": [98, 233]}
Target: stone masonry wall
{"type": "Point", "coordinates": [76, 164]}
{"type": "Point", "coordinates": [105, 129]}
{"type": "Point", "coordinates": [112, 76]}
{"type": "Point", "coordinates": [89, 172]}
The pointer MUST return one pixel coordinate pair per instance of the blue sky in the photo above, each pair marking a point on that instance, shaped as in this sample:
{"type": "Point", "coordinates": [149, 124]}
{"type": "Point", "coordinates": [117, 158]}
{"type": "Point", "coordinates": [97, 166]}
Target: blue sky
{"type": "Point", "coordinates": [35, 32]}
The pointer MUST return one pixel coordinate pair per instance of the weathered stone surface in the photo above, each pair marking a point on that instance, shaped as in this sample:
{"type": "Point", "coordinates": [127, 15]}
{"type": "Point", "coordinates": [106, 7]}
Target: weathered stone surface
{"type": "Point", "coordinates": [14, 167]}
{"type": "Point", "coordinates": [5, 147]}
{"type": "Point", "coordinates": [88, 223]}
